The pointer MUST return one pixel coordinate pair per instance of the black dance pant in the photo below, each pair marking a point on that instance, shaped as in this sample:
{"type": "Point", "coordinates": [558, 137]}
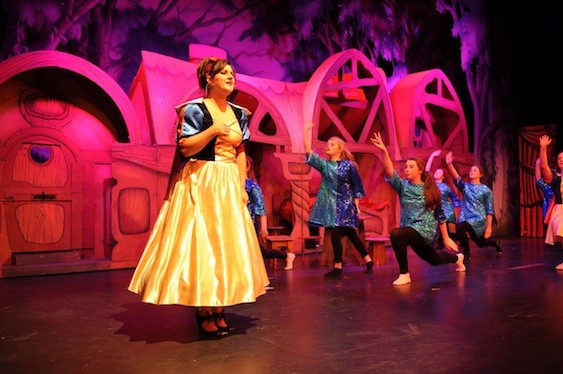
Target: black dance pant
{"type": "Point", "coordinates": [464, 228]}
{"type": "Point", "coordinates": [268, 253]}
{"type": "Point", "coordinates": [402, 237]}
{"type": "Point", "coordinates": [336, 233]}
{"type": "Point", "coordinates": [272, 253]}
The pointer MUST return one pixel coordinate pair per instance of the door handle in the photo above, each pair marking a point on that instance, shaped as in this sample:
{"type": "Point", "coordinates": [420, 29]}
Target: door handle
{"type": "Point", "coordinates": [43, 196]}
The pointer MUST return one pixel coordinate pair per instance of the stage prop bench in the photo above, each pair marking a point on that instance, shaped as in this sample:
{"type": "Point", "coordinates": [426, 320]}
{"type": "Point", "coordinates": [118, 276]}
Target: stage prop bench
{"type": "Point", "coordinates": [376, 249]}
{"type": "Point", "coordinates": [279, 242]}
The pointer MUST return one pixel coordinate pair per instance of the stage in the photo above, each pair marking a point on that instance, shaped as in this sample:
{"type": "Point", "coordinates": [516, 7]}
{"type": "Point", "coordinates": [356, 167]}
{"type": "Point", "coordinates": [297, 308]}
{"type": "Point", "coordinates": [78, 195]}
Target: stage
{"type": "Point", "coordinates": [505, 314]}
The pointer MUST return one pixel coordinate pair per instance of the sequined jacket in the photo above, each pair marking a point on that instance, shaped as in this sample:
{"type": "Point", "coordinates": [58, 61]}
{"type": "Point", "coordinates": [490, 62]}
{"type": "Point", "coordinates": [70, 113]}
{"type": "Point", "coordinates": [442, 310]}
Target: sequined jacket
{"type": "Point", "coordinates": [414, 212]}
{"type": "Point", "coordinates": [476, 204]}
{"type": "Point", "coordinates": [340, 186]}
{"type": "Point", "coordinates": [547, 192]}
{"type": "Point", "coordinates": [255, 204]}
{"type": "Point", "coordinates": [449, 201]}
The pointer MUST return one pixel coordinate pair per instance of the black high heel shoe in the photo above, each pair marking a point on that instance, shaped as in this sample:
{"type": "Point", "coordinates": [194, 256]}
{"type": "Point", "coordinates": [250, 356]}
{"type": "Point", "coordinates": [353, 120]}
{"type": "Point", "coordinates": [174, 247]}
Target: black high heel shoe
{"type": "Point", "coordinates": [208, 334]}
{"type": "Point", "coordinates": [221, 316]}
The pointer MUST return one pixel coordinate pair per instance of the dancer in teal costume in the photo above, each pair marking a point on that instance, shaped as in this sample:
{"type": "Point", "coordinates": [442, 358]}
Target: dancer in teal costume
{"type": "Point", "coordinates": [336, 206]}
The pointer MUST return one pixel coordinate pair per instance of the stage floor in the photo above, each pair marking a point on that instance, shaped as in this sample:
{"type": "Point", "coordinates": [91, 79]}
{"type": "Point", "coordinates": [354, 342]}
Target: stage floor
{"type": "Point", "coordinates": [504, 315]}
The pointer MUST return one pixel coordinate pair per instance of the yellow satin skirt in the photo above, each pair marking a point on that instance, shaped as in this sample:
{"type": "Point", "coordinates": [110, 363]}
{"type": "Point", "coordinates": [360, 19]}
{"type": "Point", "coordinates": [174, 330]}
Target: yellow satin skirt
{"type": "Point", "coordinates": [555, 226]}
{"type": "Point", "coordinates": [203, 249]}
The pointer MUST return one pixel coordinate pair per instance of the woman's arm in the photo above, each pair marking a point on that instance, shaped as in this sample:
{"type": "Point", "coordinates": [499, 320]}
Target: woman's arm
{"type": "Point", "coordinates": [489, 228]}
{"type": "Point", "coordinates": [263, 233]}
{"type": "Point", "coordinates": [357, 202]}
{"type": "Point", "coordinates": [537, 170]}
{"type": "Point", "coordinates": [387, 162]}
{"type": "Point", "coordinates": [545, 170]}
{"type": "Point", "coordinates": [451, 168]}
{"type": "Point", "coordinates": [191, 145]}
{"type": "Point", "coordinates": [433, 155]}
{"type": "Point", "coordinates": [448, 242]}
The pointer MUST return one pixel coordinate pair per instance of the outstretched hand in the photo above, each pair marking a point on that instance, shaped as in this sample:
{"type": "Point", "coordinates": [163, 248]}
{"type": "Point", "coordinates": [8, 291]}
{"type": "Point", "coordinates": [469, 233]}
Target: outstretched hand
{"type": "Point", "coordinates": [449, 157]}
{"type": "Point", "coordinates": [436, 153]}
{"type": "Point", "coordinates": [378, 141]}
{"type": "Point", "coordinates": [545, 141]}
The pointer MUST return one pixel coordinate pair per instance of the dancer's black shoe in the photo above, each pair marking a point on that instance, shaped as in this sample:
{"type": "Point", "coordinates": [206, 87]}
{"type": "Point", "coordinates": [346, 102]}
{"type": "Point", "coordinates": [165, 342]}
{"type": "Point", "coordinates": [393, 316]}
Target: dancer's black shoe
{"type": "Point", "coordinates": [498, 247]}
{"type": "Point", "coordinates": [334, 273]}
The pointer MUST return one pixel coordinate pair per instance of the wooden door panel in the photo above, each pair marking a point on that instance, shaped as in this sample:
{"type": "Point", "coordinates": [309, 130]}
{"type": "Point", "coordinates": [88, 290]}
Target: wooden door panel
{"type": "Point", "coordinates": [38, 225]}
{"type": "Point", "coordinates": [38, 196]}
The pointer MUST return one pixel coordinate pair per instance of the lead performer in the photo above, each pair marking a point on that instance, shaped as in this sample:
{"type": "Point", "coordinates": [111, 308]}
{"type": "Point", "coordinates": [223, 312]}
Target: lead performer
{"type": "Point", "coordinates": [203, 250]}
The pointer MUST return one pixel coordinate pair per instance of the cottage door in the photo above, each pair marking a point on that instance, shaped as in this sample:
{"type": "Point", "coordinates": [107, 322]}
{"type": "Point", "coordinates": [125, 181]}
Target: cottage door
{"type": "Point", "coordinates": [42, 195]}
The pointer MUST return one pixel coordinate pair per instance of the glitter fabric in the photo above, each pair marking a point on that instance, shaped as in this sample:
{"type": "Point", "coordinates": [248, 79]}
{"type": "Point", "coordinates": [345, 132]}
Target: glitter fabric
{"type": "Point", "coordinates": [413, 208]}
{"type": "Point", "coordinates": [547, 195]}
{"type": "Point", "coordinates": [476, 203]}
{"type": "Point", "coordinates": [255, 204]}
{"type": "Point", "coordinates": [449, 201]}
{"type": "Point", "coordinates": [340, 185]}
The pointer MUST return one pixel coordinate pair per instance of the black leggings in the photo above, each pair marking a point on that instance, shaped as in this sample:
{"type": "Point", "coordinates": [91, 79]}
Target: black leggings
{"type": "Point", "coordinates": [462, 229]}
{"type": "Point", "coordinates": [402, 237]}
{"type": "Point", "coordinates": [272, 253]}
{"type": "Point", "coordinates": [336, 233]}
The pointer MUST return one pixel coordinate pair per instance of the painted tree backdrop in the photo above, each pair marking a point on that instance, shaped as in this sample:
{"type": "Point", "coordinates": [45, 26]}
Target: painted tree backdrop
{"type": "Point", "coordinates": [472, 41]}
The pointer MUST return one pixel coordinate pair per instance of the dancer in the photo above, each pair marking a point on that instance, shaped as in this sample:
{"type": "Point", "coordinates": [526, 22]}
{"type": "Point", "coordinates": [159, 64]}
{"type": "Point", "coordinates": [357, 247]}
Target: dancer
{"type": "Point", "coordinates": [554, 230]}
{"type": "Point", "coordinates": [257, 208]}
{"type": "Point", "coordinates": [450, 201]}
{"type": "Point", "coordinates": [547, 191]}
{"type": "Point", "coordinates": [336, 205]}
{"type": "Point", "coordinates": [421, 216]}
{"type": "Point", "coordinates": [203, 250]}
{"type": "Point", "coordinates": [476, 216]}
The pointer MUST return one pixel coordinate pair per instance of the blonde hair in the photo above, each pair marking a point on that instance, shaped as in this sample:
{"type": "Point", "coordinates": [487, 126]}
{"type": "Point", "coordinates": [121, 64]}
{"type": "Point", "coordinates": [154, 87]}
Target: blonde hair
{"type": "Point", "coordinates": [250, 169]}
{"type": "Point", "coordinates": [345, 154]}
{"type": "Point", "coordinates": [432, 194]}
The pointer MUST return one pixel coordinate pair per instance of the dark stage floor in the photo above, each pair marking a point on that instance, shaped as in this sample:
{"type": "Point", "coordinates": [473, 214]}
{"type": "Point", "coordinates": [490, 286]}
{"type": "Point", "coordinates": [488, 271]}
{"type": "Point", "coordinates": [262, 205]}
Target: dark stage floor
{"type": "Point", "coordinates": [505, 315]}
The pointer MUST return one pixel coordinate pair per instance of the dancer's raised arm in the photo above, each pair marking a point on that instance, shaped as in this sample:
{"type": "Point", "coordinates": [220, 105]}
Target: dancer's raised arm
{"type": "Point", "coordinates": [433, 155]}
{"type": "Point", "coordinates": [387, 163]}
{"type": "Point", "coordinates": [307, 134]}
{"type": "Point", "coordinates": [545, 170]}
{"type": "Point", "coordinates": [537, 170]}
{"type": "Point", "coordinates": [451, 168]}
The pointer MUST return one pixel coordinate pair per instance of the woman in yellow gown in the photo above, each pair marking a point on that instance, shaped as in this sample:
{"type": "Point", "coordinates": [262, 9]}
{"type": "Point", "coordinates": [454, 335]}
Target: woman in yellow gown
{"type": "Point", "coordinates": [203, 250]}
